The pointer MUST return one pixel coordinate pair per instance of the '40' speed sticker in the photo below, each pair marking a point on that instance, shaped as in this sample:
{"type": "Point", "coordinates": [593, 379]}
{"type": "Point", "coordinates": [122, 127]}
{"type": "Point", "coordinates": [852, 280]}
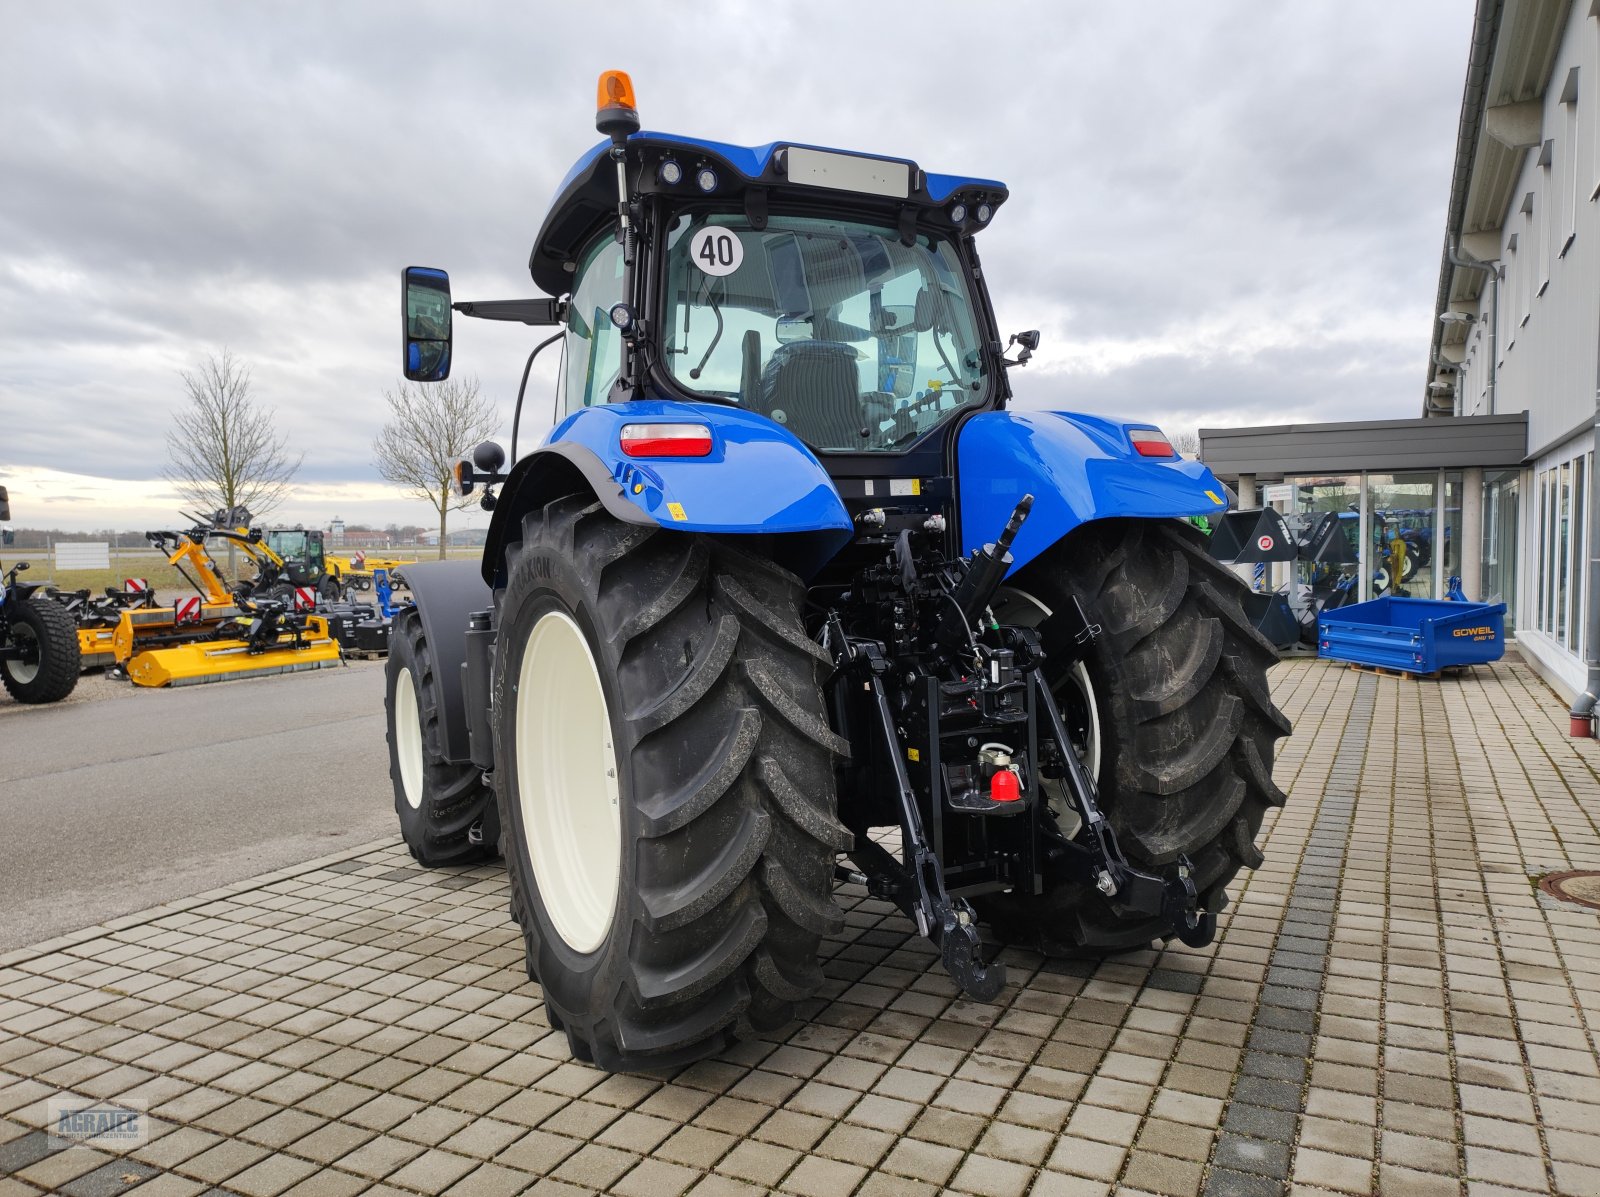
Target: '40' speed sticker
{"type": "Point", "coordinates": [716, 251]}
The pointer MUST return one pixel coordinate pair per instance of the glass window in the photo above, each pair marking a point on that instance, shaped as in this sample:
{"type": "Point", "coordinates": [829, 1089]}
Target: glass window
{"type": "Point", "coordinates": [1552, 522]}
{"type": "Point", "coordinates": [1450, 532]}
{"type": "Point", "coordinates": [1563, 549]}
{"type": "Point", "coordinates": [593, 344]}
{"type": "Point", "coordinates": [1501, 505]}
{"type": "Point", "coordinates": [1332, 578]}
{"type": "Point", "coordinates": [1401, 533]}
{"type": "Point", "coordinates": [1580, 519]}
{"type": "Point", "coordinates": [835, 328]}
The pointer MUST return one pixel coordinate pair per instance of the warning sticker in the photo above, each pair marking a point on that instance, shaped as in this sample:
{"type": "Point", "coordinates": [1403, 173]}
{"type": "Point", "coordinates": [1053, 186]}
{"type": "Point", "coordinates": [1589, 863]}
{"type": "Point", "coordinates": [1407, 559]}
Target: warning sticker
{"type": "Point", "coordinates": [716, 251]}
{"type": "Point", "coordinates": [676, 511]}
{"type": "Point", "coordinates": [905, 486]}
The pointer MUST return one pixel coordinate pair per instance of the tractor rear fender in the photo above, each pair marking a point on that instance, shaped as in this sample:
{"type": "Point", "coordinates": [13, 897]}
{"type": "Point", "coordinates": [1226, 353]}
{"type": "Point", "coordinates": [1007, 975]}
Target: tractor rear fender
{"type": "Point", "coordinates": [756, 480]}
{"type": "Point", "coordinates": [1078, 468]}
{"type": "Point", "coordinates": [444, 594]}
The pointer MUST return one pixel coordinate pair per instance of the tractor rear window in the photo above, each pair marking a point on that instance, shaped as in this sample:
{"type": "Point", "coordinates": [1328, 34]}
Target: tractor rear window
{"type": "Point", "coordinates": [835, 329]}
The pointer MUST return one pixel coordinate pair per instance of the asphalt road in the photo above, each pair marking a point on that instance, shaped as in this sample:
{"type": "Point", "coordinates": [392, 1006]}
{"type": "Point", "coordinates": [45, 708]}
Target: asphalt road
{"type": "Point", "coordinates": [121, 798]}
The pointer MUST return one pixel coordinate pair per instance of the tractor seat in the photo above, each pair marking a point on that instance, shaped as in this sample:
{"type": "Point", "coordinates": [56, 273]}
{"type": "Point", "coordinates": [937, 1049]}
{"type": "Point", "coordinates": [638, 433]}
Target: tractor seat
{"type": "Point", "coordinates": [813, 389]}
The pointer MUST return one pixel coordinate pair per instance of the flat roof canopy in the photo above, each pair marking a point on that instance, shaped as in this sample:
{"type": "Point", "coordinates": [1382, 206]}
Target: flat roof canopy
{"type": "Point", "coordinates": [1387, 446]}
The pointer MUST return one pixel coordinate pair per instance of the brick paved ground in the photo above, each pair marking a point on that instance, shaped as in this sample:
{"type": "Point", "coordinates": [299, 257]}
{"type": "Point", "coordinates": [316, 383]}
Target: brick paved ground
{"type": "Point", "coordinates": [1390, 1007]}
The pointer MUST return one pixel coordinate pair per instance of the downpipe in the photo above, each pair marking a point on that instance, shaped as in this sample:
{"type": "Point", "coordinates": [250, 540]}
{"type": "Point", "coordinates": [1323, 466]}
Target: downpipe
{"type": "Point", "coordinates": [1492, 269]}
{"type": "Point", "coordinates": [1583, 711]}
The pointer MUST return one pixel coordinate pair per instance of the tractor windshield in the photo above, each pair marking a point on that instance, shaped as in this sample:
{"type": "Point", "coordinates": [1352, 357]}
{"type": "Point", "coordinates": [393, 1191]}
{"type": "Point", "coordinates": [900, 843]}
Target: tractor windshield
{"type": "Point", "coordinates": [836, 329]}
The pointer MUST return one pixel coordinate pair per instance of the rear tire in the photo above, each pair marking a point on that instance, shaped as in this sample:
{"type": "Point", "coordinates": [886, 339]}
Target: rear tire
{"type": "Point", "coordinates": [438, 802]}
{"type": "Point", "coordinates": [46, 632]}
{"type": "Point", "coordinates": [1186, 722]}
{"type": "Point", "coordinates": [679, 670]}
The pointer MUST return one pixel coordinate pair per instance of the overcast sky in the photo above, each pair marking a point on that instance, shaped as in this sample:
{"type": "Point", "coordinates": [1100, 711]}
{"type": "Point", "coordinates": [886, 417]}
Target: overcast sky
{"type": "Point", "coordinates": [1221, 213]}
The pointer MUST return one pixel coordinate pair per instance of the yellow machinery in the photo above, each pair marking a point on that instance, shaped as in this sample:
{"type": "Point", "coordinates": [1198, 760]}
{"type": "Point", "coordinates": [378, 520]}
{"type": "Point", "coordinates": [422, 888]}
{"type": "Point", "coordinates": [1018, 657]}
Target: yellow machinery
{"type": "Point", "coordinates": [272, 642]}
{"type": "Point", "coordinates": [354, 571]}
{"type": "Point", "coordinates": [215, 635]}
{"type": "Point", "coordinates": [187, 618]}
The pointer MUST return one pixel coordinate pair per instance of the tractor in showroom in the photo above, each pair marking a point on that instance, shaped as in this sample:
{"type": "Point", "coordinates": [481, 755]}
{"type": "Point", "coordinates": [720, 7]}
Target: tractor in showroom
{"type": "Point", "coordinates": [791, 595]}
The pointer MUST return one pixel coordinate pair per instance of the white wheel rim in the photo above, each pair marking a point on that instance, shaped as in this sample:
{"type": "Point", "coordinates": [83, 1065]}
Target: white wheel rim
{"type": "Point", "coordinates": [408, 738]}
{"type": "Point", "coordinates": [1021, 609]}
{"type": "Point", "coordinates": [567, 782]}
{"type": "Point", "coordinates": [1079, 679]}
{"type": "Point", "coordinates": [21, 672]}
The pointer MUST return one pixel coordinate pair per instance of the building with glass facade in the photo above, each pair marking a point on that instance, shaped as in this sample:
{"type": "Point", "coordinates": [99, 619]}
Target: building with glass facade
{"type": "Point", "coordinates": [1495, 481]}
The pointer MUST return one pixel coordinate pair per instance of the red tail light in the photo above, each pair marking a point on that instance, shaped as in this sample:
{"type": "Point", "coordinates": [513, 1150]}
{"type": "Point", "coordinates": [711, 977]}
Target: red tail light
{"type": "Point", "coordinates": [666, 440]}
{"type": "Point", "coordinates": [1149, 442]}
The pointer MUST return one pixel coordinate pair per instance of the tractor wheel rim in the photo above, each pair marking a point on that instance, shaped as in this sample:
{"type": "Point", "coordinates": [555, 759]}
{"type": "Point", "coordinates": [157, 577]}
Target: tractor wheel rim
{"type": "Point", "coordinates": [1089, 750]}
{"type": "Point", "coordinates": [408, 738]}
{"type": "Point", "coordinates": [25, 669]}
{"type": "Point", "coordinates": [1074, 693]}
{"type": "Point", "coordinates": [567, 789]}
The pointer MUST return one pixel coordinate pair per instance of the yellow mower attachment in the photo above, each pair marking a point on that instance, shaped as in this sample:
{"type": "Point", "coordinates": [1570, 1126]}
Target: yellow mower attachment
{"type": "Point", "coordinates": [290, 650]}
{"type": "Point", "coordinates": [95, 647]}
{"type": "Point", "coordinates": [149, 628]}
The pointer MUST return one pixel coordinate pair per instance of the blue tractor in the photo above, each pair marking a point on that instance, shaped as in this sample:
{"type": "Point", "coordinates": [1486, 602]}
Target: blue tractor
{"type": "Point", "coordinates": [39, 655]}
{"type": "Point", "coordinates": [788, 583]}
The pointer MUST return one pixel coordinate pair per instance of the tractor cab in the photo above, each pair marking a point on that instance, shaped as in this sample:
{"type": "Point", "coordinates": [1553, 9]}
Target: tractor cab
{"type": "Point", "coordinates": [301, 550]}
{"type": "Point", "coordinates": [833, 293]}
{"type": "Point", "coordinates": [835, 297]}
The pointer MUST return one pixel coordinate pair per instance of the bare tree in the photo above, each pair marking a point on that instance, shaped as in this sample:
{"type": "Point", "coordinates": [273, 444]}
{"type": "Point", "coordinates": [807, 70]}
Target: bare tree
{"type": "Point", "coordinates": [429, 430]}
{"type": "Point", "coordinates": [223, 450]}
{"type": "Point", "coordinates": [1186, 442]}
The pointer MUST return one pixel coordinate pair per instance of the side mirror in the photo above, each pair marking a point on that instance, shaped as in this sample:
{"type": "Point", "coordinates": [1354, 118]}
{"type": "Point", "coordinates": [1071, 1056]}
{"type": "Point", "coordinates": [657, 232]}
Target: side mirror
{"type": "Point", "coordinates": [427, 325]}
{"type": "Point", "coordinates": [791, 329]}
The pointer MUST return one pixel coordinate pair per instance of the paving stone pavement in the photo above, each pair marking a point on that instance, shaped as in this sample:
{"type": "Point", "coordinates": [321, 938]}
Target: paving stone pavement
{"type": "Point", "coordinates": [1390, 1007]}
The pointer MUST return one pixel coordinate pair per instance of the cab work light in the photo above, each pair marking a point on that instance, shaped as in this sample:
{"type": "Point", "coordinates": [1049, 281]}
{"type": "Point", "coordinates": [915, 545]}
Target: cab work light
{"type": "Point", "coordinates": [666, 440]}
{"type": "Point", "coordinates": [1150, 442]}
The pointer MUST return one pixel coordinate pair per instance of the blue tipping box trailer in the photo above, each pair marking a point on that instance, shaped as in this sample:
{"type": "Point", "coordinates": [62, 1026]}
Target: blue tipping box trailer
{"type": "Point", "coordinates": [1414, 635]}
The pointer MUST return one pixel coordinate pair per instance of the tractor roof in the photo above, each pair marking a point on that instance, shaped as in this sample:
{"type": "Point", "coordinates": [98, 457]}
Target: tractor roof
{"type": "Point", "coordinates": [586, 199]}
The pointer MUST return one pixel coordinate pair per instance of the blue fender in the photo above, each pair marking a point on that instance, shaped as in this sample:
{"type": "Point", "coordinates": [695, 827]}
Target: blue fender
{"type": "Point", "coordinates": [757, 479]}
{"type": "Point", "coordinates": [1077, 467]}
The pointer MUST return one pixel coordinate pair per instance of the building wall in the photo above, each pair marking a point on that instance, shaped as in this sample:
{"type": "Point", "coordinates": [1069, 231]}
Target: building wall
{"type": "Point", "coordinates": [1549, 301]}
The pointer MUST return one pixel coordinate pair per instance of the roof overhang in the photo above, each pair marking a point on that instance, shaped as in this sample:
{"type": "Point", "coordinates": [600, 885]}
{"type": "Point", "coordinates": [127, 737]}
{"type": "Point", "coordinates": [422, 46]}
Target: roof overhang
{"type": "Point", "coordinates": [1385, 446]}
{"type": "Point", "coordinates": [1513, 52]}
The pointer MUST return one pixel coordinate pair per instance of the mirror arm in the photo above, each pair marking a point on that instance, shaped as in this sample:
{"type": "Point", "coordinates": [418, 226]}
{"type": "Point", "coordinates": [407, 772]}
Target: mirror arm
{"type": "Point", "coordinates": [524, 311]}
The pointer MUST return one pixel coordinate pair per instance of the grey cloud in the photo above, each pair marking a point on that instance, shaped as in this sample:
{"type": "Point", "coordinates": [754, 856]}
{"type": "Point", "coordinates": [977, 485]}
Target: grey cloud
{"type": "Point", "coordinates": [256, 175]}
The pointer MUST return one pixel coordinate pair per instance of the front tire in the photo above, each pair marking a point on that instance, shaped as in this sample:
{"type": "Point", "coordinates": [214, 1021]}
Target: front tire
{"type": "Point", "coordinates": [438, 802]}
{"type": "Point", "coordinates": [1184, 720]}
{"type": "Point", "coordinates": [664, 770]}
{"type": "Point", "coordinates": [51, 660]}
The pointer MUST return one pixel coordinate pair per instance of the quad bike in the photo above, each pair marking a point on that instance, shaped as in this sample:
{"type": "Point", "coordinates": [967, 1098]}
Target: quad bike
{"type": "Point", "coordinates": [788, 573]}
